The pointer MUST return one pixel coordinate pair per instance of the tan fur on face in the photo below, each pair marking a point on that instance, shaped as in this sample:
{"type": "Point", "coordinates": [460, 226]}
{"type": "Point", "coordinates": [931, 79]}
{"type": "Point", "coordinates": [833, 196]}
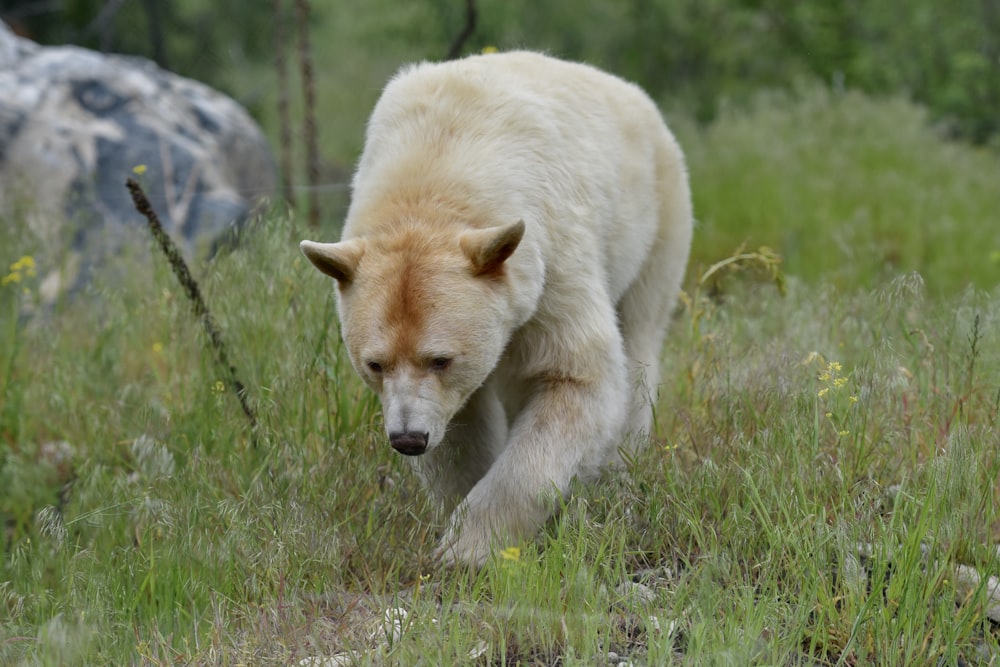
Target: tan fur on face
{"type": "Point", "coordinates": [413, 269]}
{"type": "Point", "coordinates": [406, 296]}
{"type": "Point", "coordinates": [401, 270]}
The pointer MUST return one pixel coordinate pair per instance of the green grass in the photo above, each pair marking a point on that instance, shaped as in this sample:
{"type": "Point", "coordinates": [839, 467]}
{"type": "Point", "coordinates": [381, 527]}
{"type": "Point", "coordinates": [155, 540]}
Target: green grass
{"type": "Point", "coordinates": [851, 191]}
{"type": "Point", "coordinates": [789, 507]}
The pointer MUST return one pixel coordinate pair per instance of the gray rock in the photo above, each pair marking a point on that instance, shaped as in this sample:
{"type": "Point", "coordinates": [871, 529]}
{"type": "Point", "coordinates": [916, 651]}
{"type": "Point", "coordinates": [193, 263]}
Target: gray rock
{"type": "Point", "coordinates": [968, 582]}
{"type": "Point", "coordinates": [635, 593]}
{"type": "Point", "coordinates": [73, 126]}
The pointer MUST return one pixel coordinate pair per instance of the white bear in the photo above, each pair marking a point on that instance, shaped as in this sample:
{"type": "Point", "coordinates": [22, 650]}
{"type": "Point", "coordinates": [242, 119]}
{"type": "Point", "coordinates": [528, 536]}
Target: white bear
{"type": "Point", "coordinates": [515, 244]}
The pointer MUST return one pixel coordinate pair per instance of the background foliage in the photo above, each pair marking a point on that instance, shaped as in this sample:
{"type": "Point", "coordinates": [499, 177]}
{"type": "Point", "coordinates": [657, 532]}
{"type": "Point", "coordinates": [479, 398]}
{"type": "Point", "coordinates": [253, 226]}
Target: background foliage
{"type": "Point", "coordinates": [944, 54]}
{"type": "Point", "coordinates": [799, 69]}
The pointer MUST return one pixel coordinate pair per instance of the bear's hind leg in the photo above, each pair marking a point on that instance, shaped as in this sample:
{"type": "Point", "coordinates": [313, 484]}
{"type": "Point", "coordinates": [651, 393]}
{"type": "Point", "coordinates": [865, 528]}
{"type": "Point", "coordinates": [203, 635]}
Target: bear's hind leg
{"type": "Point", "coordinates": [645, 310]}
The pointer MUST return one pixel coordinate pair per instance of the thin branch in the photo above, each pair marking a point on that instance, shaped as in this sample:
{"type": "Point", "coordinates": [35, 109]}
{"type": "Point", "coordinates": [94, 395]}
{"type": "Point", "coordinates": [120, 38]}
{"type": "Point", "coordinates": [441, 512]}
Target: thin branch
{"type": "Point", "coordinates": [284, 117]}
{"type": "Point", "coordinates": [156, 36]}
{"type": "Point", "coordinates": [309, 122]}
{"type": "Point", "coordinates": [180, 269]}
{"type": "Point", "coordinates": [103, 24]}
{"type": "Point", "coordinates": [455, 50]}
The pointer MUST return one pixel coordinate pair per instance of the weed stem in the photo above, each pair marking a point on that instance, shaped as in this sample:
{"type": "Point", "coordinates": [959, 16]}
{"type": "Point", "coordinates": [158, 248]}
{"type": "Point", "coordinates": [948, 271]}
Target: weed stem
{"type": "Point", "coordinates": [201, 311]}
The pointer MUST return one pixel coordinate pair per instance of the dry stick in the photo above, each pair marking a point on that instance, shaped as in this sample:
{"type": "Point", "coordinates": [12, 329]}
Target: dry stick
{"type": "Point", "coordinates": [284, 118]}
{"type": "Point", "coordinates": [201, 311]}
{"type": "Point", "coordinates": [154, 19]}
{"type": "Point", "coordinates": [470, 26]}
{"type": "Point", "coordinates": [309, 122]}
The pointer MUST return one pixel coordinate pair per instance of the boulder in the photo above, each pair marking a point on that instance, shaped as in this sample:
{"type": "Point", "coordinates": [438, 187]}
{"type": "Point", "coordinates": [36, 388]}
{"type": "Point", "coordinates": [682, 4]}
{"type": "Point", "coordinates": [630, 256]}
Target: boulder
{"type": "Point", "coordinates": [75, 124]}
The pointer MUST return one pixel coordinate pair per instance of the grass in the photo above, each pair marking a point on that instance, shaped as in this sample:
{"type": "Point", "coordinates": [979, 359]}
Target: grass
{"type": "Point", "coordinates": [850, 190]}
{"type": "Point", "coordinates": [824, 458]}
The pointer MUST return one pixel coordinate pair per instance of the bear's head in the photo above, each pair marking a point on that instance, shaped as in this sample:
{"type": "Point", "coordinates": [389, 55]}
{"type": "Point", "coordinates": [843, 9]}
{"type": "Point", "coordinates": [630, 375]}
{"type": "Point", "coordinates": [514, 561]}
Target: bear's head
{"type": "Point", "coordinates": [425, 315]}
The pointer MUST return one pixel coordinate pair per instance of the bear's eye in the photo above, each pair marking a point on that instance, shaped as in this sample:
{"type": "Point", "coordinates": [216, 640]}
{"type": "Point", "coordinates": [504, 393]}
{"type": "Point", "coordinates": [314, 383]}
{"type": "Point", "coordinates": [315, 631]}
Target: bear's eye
{"type": "Point", "coordinates": [440, 363]}
{"type": "Point", "coordinates": [374, 367]}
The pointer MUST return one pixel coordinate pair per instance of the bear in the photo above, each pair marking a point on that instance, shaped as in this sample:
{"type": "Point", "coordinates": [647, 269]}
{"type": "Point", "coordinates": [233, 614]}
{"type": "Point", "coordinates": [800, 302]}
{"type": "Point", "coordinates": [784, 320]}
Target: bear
{"type": "Point", "coordinates": [518, 233]}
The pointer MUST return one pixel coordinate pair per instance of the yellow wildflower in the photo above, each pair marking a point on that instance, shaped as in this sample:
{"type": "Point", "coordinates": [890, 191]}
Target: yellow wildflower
{"type": "Point", "coordinates": [511, 553]}
{"type": "Point", "coordinates": [219, 387]}
{"type": "Point", "coordinates": [26, 264]}
{"type": "Point", "coordinates": [139, 169]}
{"type": "Point", "coordinates": [823, 392]}
{"type": "Point", "coordinates": [157, 347]}
{"type": "Point", "coordinates": [490, 49]}
{"type": "Point", "coordinates": [22, 268]}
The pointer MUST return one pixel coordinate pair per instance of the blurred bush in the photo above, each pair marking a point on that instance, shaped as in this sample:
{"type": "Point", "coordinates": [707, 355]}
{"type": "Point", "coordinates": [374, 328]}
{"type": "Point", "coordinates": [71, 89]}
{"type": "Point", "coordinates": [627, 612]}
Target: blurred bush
{"type": "Point", "coordinates": [703, 54]}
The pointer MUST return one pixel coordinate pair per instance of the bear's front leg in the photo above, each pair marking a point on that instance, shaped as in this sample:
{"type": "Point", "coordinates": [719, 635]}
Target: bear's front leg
{"type": "Point", "coordinates": [567, 429]}
{"type": "Point", "coordinates": [474, 440]}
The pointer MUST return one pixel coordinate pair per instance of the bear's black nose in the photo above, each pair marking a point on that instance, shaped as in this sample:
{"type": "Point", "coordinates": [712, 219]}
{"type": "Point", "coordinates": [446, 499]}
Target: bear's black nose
{"type": "Point", "coordinates": [411, 443]}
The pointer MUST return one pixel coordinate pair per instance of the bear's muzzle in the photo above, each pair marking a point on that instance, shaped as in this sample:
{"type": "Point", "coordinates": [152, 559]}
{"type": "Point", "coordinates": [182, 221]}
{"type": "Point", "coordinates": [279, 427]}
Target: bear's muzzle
{"type": "Point", "coordinates": [411, 443]}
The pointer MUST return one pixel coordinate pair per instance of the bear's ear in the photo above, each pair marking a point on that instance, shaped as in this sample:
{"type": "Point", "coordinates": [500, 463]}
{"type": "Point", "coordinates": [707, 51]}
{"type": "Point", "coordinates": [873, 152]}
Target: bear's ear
{"type": "Point", "coordinates": [337, 260]}
{"type": "Point", "coordinates": [487, 249]}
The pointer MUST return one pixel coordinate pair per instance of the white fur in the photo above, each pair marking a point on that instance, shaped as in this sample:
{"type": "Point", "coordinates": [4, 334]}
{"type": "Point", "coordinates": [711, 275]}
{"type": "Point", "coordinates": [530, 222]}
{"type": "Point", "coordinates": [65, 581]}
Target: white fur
{"type": "Point", "coordinates": [555, 348]}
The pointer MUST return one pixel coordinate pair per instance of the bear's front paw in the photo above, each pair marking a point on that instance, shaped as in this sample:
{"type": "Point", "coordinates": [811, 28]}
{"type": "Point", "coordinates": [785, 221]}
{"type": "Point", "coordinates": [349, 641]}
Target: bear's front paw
{"type": "Point", "coordinates": [467, 547]}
